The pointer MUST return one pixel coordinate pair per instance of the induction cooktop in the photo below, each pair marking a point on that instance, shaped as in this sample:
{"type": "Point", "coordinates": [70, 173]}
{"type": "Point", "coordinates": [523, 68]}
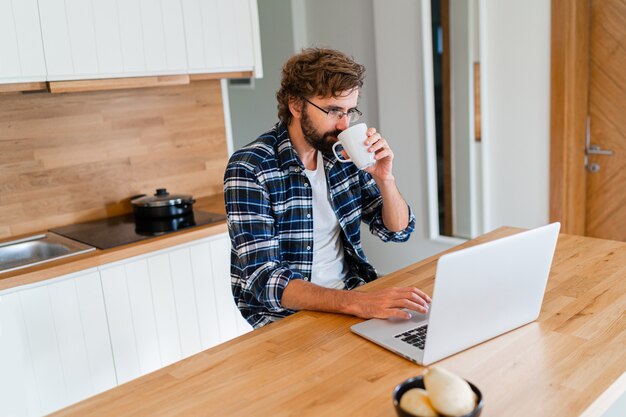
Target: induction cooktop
{"type": "Point", "coordinates": [121, 230]}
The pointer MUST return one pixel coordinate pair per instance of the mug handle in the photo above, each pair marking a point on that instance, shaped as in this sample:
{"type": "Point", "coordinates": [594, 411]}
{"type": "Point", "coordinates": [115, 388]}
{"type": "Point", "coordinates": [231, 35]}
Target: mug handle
{"type": "Point", "coordinates": [337, 156]}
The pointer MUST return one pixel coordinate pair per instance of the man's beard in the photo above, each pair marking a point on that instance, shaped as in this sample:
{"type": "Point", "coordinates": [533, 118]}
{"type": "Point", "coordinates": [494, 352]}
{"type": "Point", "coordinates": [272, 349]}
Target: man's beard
{"type": "Point", "coordinates": [321, 141]}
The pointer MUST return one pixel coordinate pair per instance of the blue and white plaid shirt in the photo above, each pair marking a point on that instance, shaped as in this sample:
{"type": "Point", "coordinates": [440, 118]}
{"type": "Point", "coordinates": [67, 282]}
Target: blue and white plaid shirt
{"type": "Point", "coordinates": [269, 205]}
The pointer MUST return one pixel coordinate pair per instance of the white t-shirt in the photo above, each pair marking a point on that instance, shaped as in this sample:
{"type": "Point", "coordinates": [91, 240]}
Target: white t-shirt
{"type": "Point", "coordinates": [329, 266]}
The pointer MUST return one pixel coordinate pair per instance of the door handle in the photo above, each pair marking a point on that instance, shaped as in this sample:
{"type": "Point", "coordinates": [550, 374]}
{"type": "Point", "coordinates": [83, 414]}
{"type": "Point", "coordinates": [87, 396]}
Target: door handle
{"type": "Point", "coordinates": [596, 150]}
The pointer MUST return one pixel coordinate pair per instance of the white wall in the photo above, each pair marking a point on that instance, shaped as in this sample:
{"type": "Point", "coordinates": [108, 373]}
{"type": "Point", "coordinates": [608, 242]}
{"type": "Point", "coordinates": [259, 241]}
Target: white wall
{"type": "Point", "coordinates": [402, 116]}
{"type": "Point", "coordinates": [515, 47]}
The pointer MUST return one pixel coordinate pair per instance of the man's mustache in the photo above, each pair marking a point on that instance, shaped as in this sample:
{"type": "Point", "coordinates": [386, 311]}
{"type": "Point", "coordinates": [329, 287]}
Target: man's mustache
{"type": "Point", "coordinates": [333, 134]}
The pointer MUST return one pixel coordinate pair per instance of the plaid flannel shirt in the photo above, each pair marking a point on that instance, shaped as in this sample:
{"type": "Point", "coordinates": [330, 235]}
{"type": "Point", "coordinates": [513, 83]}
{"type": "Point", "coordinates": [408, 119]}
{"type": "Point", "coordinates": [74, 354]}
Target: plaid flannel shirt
{"type": "Point", "coordinates": [269, 206]}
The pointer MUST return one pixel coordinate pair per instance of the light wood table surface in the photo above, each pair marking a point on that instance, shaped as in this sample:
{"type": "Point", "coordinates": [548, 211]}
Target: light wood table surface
{"type": "Point", "coordinates": [310, 364]}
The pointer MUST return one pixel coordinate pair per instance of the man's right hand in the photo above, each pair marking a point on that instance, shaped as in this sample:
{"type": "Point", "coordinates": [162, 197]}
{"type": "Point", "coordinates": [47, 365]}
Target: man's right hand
{"type": "Point", "coordinates": [381, 304]}
{"type": "Point", "coordinates": [388, 303]}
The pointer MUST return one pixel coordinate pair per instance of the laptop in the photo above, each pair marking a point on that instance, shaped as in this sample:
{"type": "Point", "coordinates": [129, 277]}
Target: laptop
{"type": "Point", "coordinates": [480, 292]}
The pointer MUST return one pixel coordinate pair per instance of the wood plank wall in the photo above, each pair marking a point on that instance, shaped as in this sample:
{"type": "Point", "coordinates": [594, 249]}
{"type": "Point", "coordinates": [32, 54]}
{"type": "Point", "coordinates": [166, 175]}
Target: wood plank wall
{"type": "Point", "coordinates": [67, 158]}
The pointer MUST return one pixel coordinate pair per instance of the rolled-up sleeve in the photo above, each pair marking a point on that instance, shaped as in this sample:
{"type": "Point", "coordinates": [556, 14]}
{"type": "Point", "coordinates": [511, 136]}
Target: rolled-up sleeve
{"type": "Point", "coordinates": [264, 275]}
{"type": "Point", "coordinates": [372, 212]}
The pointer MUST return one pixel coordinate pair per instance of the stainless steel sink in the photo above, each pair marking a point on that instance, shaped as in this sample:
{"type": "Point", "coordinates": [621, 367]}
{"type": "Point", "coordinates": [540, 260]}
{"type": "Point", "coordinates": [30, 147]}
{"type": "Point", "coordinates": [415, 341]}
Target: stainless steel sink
{"type": "Point", "coordinates": [33, 250]}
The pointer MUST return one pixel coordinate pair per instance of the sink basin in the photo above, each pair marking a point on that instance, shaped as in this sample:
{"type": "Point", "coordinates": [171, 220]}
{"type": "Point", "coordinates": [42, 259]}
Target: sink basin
{"type": "Point", "coordinates": [33, 250]}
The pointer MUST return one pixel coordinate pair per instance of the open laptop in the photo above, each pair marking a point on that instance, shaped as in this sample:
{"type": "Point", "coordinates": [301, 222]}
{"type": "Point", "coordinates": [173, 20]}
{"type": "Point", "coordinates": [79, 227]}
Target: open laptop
{"type": "Point", "coordinates": [480, 292]}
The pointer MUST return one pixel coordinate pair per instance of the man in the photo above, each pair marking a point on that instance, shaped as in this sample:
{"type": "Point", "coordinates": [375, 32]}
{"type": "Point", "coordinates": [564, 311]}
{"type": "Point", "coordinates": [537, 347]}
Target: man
{"type": "Point", "coordinates": [294, 212]}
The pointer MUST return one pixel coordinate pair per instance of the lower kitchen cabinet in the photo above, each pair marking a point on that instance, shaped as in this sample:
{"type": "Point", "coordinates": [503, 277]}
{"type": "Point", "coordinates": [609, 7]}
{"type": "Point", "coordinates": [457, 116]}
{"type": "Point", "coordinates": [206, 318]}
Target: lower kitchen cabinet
{"type": "Point", "coordinates": [166, 306]}
{"type": "Point", "coordinates": [72, 337]}
{"type": "Point", "coordinates": [54, 345]}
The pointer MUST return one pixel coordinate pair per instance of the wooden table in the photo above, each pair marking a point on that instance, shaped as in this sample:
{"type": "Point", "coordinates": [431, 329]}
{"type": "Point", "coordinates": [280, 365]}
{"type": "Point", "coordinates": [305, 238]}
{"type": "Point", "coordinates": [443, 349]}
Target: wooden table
{"type": "Point", "coordinates": [310, 364]}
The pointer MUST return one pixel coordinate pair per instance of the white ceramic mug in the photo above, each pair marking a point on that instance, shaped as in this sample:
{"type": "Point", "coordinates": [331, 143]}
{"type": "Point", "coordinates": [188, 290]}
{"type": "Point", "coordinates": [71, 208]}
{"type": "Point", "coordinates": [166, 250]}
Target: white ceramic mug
{"type": "Point", "coordinates": [353, 141]}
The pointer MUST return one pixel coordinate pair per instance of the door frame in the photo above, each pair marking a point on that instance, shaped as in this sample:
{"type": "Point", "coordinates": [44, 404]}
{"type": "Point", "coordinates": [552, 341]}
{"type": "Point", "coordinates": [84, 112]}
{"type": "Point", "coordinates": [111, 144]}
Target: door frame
{"type": "Point", "coordinates": [569, 108]}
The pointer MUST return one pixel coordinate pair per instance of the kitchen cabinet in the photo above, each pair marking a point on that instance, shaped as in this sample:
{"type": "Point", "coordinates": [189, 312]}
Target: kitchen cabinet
{"type": "Point", "coordinates": [71, 337]}
{"type": "Point", "coordinates": [222, 35]}
{"type": "Point", "coordinates": [104, 39]}
{"type": "Point", "coordinates": [130, 38]}
{"type": "Point", "coordinates": [168, 305]}
{"type": "Point", "coordinates": [62, 40]}
{"type": "Point", "coordinates": [54, 345]}
{"type": "Point", "coordinates": [21, 49]}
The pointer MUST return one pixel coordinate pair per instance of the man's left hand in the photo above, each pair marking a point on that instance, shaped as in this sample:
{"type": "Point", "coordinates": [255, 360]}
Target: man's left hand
{"type": "Point", "coordinates": [381, 170]}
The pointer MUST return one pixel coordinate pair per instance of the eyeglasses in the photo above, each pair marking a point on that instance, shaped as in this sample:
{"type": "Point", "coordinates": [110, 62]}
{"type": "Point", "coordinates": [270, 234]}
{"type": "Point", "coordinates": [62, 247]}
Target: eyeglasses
{"type": "Point", "coordinates": [353, 114]}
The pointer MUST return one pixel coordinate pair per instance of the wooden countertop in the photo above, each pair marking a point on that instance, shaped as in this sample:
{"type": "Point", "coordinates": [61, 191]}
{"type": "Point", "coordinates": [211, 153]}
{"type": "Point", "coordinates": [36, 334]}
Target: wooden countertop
{"type": "Point", "coordinates": [214, 204]}
{"type": "Point", "coordinates": [310, 364]}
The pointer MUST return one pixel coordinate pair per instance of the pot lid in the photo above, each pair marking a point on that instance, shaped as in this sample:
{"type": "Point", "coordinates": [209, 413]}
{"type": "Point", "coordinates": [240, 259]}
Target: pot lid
{"type": "Point", "coordinates": [161, 199]}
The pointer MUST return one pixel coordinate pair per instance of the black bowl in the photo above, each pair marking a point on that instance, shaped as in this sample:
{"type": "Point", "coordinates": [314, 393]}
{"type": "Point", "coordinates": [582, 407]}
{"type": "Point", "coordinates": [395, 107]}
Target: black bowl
{"type": "Point", "coordinates": [418, 382]}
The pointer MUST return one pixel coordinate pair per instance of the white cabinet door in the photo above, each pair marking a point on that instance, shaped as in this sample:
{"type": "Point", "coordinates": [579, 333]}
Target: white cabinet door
{"type": "Point", "coordinates": [56, 39]}
{"type": "Point", "coordinates": [96, 330]}
{"type": "Point", "coordinates": [231, 322]}
{"type": "Point", "coordinates": [243, 24]}
{"type": "Point", "coordinates": [185, 298]}
{"type": "Point", "coordinates": [205, 295]}
{"type": "Point", "coordinates": [166, 306]}
{"type": "Point", "coordinates": [220, 320]}
{"type": "Point", "coordinates": [220, 35]}
{"type": "Point", "coordinates": [141, 311]}
{"type": "Point", "coordinates": [21, 50]}
{"type": "Point", "coordinates": [17, 377]}
{"type": "Point", "coordinates": [121, 326]}
{"type": "Point", "coordinates": [107, 38]}
{"type": "Point", "coordinates": [58, 337]}
{"type": "Point", "coordinates": [103, 38]}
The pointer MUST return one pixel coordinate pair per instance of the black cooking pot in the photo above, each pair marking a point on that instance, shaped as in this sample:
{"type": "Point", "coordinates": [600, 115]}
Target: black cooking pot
{"type": "Point", "coordinates": [162, 205]}
{"type": "Point", "coordinates": [161, 225]}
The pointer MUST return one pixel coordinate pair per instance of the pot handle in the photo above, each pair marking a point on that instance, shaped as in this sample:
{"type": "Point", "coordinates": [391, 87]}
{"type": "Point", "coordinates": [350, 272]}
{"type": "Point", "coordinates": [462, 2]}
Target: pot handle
{"type": "Point", "coordinates": [136, 196]}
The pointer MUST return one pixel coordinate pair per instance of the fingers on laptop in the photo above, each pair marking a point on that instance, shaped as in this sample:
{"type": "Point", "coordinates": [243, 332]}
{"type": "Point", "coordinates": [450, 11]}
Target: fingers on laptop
{"type": "Point", "coordinates": [416, 300]}
{"type": "Point", "coordinates": [396, 313]}
{"type": "Point", "coordinates": [420, 307]}
{"type": "Point", "coordinates": [390, 302]}
{"type": "Point", "coordinates": [411, 298]}
{"type": "Point", "coordinates": [423, 295]}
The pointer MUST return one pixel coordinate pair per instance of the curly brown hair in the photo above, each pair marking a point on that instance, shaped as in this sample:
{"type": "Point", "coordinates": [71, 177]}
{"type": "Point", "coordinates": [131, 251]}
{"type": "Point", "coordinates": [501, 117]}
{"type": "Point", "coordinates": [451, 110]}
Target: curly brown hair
{"type": "Point", "coordinates": [317, 72]}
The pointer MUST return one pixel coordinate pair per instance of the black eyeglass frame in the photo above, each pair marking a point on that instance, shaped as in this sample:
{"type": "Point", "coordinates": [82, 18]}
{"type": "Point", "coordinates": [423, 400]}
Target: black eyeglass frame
{"type": "Point", "coordinates": [349, 114]}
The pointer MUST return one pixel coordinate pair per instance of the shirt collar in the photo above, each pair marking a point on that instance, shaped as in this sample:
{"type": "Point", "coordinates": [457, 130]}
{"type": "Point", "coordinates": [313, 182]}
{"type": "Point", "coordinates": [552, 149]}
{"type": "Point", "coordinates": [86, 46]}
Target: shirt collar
{"type": "Point", "coordinates": [286, 152]}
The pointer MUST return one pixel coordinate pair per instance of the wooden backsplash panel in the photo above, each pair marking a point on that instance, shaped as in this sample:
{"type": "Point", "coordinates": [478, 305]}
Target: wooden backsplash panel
{"type": "Point", "coordinates": [67, 158]}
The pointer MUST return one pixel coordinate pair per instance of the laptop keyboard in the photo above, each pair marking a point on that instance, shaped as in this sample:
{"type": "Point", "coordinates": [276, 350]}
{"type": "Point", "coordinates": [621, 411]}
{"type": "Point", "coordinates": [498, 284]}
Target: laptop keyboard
{"type": "Point", "coordinates": [415, 337]}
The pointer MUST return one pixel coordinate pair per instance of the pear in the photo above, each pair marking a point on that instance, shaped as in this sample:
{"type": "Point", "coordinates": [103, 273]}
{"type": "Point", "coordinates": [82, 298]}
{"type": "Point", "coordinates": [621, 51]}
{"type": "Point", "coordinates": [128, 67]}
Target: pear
{"type": "Point", "coordinates": [449, 394]}
{"type": "Point", "coordinates": [415, 401]}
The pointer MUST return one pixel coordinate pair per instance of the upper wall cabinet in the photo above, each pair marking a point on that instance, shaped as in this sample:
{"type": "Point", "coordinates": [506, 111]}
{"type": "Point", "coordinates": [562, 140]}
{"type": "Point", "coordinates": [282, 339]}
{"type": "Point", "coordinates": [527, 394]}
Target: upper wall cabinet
{"type": "Point", "coordinates": [21, 51]}
{"type": "Point", "coordinates": [104, 38]}
{"type": "Point", "coordinates": [222, 35]}
{"type": "Point", "coordinates": [61, 40]}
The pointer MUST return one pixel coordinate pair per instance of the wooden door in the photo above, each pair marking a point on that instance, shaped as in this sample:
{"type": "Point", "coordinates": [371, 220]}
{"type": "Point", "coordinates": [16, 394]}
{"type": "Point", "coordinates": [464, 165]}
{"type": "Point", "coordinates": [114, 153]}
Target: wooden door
{"type": "Point", "coordinates": [606, 187]}
{"type": "Point", "coordinates": [588, 82]}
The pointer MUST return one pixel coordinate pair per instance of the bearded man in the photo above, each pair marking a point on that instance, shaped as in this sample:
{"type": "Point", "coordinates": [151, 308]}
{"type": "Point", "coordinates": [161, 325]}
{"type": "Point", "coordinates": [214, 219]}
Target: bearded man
{"type": "Point", "coordinates": [294, 212]}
